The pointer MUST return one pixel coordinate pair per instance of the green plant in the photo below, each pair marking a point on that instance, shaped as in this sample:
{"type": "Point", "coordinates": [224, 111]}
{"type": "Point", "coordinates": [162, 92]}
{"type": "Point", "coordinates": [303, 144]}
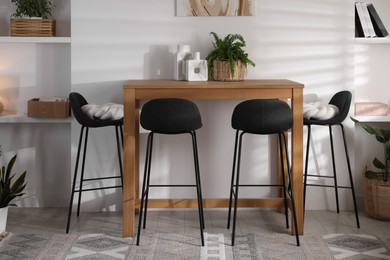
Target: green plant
{"type": "Point", "coordinates": [229, 49]}
{"type": "Point", "coordinates": [9, 190]}
{"type": "Point", "coordinates": [33, 8]}
{"type": "Point", "coordinates": [383, 137]}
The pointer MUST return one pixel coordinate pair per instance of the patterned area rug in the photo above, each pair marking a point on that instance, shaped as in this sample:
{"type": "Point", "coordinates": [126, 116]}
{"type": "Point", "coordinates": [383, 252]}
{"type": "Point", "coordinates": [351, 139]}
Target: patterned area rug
{"type": "Point", "coordinates": [358, 246]}
{"type": "Point", "coordinates": [179, 246]}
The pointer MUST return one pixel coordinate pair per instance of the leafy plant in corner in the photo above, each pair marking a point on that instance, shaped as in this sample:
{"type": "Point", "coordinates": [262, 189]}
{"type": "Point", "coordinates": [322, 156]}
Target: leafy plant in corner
{"type": "Point", "coordinates": [10, 190]}
{"type": "Point", "coordinates": [383, 137]}
{"type": "Point", "coordinates": [229, 49]}
{"type": "Point", "coordinates": [33, 8]}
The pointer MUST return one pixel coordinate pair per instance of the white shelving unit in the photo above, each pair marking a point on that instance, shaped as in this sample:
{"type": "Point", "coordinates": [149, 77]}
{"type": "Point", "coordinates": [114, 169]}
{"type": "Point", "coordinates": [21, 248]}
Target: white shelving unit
{"type": "Point", "coordinates": [9, 39]}
{"type": "Point", "coordinates": [373, 119]}
{"type": "Point", "coordinates": [378, 40]}
{"type": "Point", "coordinates": [372, 58]}
{"type": "Point", "coordinates": [12, 118]}
{"type": "Point", "coordinates": [33, 67]}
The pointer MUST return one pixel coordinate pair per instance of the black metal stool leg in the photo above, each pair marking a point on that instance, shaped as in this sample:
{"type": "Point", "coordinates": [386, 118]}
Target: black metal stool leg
{"type": "Point", "coordinates": [74, 179]}
{"type": "Point", "coordinates": [294, 215]}
{"type": "Point", "coordinates": [82, 169]}
{"type": "Point", "coordinates": [283, 179]}
{"type": "Point", "coordinates": [119, 153]}
{"type": "Point", "coordinates": [350, 177]}
{"type": "Point", "coordinates": [306, 165]}
{"type": "Point", "coordinates": [146, 173]}
{"type": "Point", "coordinates": [197, 168]}
{"type": "Point", "coordinates": [334, 169]}
{"type": "Point", "coordinates": [232, 181]}
{"type": "Point", "coordinates": [121, 130]}
{"type": "Point", "coordinates": [236, 191]}
{"type": "Point", "coordinates": [148, 177]}
{"type": "Point", "coordinates": [198, 186]}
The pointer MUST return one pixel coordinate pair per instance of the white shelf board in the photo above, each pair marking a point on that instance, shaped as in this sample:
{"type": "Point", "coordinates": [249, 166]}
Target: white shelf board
{"type": "Point", "coordinates": [373, 119]}
{"type": "Point", "coordinates": [9, 39]}
{"type": "Point", "coordinates": [376, 40]}
{"type": "Point", "coordinates": [15, 117]}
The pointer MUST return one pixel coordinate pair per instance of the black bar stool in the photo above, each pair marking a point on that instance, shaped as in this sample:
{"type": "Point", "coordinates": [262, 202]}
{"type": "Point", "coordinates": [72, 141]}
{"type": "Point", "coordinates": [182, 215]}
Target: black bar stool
{"type": "Point", "coordinates": [261, 117]}
{"type": "Point", "coordinates": [342, 100]}
{"type": "Point", "coordinates": [169, 116]}
{"type": "Point", "coordinates": [76, 102]}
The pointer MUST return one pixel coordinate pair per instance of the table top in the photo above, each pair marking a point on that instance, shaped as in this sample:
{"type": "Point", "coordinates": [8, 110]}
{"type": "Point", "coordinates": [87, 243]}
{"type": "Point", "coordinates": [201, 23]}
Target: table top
{"type": "Point", "coordinates": [257, 83]}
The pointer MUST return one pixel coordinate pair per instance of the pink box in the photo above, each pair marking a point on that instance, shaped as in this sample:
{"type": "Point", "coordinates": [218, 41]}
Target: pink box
{"type": "Point", "coordinates": [371, 109]}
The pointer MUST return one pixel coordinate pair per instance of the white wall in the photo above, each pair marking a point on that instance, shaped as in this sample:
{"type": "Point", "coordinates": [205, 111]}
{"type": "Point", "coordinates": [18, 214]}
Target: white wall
{"type": "Point", "coordinates": [306, 41]}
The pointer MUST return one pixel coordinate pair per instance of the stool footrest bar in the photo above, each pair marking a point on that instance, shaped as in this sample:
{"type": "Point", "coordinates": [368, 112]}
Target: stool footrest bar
{"type": "Point", "coordinates": [329, 186]}
{"type": "Point", "coordinates": [100, 188]}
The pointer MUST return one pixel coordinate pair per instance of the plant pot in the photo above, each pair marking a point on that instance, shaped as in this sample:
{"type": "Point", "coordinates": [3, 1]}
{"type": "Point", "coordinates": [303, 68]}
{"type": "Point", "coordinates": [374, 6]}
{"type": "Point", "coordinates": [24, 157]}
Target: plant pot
{"type": "Point", "coordinates": [33, 27]}
{"type": "Point", "coordinates": [221, 71]}
{"type": "Point", "coordinates": [3, 219]}
{"type": "Point", "coordinates": [377, 199]}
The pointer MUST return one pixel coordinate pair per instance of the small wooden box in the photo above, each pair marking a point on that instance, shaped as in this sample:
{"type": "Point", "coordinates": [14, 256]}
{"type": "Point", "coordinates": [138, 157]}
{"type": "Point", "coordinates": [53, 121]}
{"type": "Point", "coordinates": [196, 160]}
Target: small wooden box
{"type": "Point", "coordinates": [371, 109]}
{"type": "Point", "coordinates": [48, 109]}
{"type": "Point", "coordinates": [33, 27]}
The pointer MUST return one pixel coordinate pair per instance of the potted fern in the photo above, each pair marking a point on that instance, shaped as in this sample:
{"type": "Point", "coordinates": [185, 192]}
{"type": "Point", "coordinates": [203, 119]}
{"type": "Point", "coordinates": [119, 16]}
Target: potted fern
{"type": "Point", "coordinates": [228, 61]}
{"type": "Point", "coordinates": [9, 190]}
{"type": "Point", "coordinates": [31, 18]}
{"type": "Point", "coordinates": [377, 183]}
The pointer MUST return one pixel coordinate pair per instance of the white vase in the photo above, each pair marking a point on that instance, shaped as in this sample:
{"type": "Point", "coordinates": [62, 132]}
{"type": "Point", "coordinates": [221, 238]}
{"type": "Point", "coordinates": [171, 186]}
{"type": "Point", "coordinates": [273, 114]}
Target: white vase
{"type": "Point", "coordinates": [182, 55]}
{"type": "Point", "coordinates": [197, 69]}
{"type": "Point", "coordinates": [3, 219]}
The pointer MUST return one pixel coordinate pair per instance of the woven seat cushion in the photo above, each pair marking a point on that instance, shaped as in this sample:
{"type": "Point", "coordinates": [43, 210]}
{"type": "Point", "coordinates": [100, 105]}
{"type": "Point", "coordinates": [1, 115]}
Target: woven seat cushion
{"type": "Point", "coordinates": [77, 101]}
{"type": "Point", "coordinates": [170, 116]}
{"type": "Point", "coordinates": [341, 100]}
{"type": "Point", "coordinates": [262, 116]}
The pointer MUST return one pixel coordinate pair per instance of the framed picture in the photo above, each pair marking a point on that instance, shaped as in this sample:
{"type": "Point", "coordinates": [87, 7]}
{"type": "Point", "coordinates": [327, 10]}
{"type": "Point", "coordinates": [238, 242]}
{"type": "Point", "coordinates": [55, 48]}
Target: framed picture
{"type": "Point", "coordinates": [215, 7]}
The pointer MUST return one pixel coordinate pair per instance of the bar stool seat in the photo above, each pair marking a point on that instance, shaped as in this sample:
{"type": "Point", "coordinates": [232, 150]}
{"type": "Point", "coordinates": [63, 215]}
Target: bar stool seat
{"type": "Point", "coordinates": [261, 117]}
{"type": "Point", "coordinates": [170, 116]}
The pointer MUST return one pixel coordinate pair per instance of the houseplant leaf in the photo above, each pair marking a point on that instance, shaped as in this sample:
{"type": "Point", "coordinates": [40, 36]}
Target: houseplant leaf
{"type": "Point", "coordinates": [10, 189]}
{"type": "Point", "coordinates": [383, 137]}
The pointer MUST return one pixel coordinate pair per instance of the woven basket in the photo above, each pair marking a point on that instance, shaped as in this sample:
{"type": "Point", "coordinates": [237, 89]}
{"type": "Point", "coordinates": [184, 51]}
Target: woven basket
{"type": "Point", "coordinates": [221, 71]}
{"type": "Point", "coordinates": [33, 27]}
{"type": "Point", "coordinates": [377, 199]}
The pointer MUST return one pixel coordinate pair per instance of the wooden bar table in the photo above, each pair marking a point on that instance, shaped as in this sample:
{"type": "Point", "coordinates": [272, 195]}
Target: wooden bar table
{"type": "Point", "coordinates": [136, 90]}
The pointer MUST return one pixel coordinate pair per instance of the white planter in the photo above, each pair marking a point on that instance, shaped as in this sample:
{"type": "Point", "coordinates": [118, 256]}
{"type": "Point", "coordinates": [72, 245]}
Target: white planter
{"type": "Point", "coordinates": [3, 219]}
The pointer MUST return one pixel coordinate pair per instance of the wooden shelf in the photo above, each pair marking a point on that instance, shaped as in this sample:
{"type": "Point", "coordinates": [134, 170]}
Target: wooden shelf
{"type": "Point", "coordinates": [15, 117]}
{"type": "Point", "coordinates": [9, 39]}
{"type": "Point", "coordinates": [373, 119]}
{"type": "Point", "coordinates": [377, 40]}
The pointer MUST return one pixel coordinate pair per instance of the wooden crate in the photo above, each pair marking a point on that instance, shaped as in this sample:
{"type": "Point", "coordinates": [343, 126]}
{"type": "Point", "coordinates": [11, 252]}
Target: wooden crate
{"type": "Point", "coordinates": [48, 109]}
{"type": "Point", "coordinates": [33, 27]}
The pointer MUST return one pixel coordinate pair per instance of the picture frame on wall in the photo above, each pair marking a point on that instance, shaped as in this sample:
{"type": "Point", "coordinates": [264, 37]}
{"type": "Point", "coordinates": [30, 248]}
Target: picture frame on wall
{"type": "Point", "coordinates": [215, 7]}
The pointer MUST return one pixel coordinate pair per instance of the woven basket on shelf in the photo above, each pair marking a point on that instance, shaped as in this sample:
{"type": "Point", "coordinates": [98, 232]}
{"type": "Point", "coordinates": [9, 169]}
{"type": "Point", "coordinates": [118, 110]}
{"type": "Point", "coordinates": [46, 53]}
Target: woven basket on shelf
{"type": "Point", "coordinates": [377, 199]}
{"type": "Point", "coordinates": [33, 27]}
{"type": "Point", "coordinates": [221, 71]}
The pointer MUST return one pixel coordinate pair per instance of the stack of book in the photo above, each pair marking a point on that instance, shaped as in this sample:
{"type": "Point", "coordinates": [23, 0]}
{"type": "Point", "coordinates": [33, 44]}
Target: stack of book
{"type": "Point", "coordinates": [367, 21]}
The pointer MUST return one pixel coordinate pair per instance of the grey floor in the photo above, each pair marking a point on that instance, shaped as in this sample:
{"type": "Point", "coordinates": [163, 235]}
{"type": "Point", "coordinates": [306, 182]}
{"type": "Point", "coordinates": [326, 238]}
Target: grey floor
{"type": "Point", "coordinates": [24, 220]}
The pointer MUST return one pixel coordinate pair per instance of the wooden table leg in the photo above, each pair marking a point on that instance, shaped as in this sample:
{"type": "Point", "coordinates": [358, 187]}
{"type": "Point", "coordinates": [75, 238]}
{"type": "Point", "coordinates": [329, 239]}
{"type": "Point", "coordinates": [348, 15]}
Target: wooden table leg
{"type": "Point", "coordinates": [130, 156]}
{"type": "Point", "coordinates": [297, 156]}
